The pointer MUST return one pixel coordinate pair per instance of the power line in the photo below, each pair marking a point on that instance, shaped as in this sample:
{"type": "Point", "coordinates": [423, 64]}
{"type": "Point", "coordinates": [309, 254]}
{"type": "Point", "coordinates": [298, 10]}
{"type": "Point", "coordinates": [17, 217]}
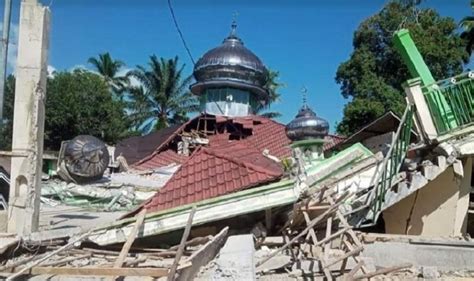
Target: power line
{"type": "Point", "coordinates": [179, 32]}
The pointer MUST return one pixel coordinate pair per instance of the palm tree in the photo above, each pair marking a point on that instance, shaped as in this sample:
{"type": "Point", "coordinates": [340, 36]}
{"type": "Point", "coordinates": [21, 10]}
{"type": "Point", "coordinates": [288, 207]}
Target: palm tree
{"type": "Point", "coordinates": [272, 85]}
{"type": "Point", "coordinates": [108, 68]}
{"type": "Point", "coordinates": [163, 97]}
{"type": "Point", "coordinates": [467, 25]}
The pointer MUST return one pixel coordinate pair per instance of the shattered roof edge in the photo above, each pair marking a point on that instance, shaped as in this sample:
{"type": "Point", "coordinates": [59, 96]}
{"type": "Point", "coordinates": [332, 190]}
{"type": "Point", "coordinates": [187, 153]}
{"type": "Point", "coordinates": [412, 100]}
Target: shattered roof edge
{"type": "Point", "coordinates": [168, 212]}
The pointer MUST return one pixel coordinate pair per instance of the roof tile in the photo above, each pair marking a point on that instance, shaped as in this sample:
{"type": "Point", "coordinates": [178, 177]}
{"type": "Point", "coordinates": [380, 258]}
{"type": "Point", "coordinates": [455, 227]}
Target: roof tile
{"type": "Point", "coordinates": [189, 186]}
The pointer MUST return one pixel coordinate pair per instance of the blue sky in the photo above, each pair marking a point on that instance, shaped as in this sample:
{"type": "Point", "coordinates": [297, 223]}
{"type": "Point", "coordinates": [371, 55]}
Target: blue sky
{"type": "Point", "coordinates": [305, 40]}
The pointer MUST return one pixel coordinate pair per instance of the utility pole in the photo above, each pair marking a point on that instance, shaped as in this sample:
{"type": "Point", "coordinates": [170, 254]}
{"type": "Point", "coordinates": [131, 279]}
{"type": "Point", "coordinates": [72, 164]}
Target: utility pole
{"type": "Point", "coordinates": [4, 53]}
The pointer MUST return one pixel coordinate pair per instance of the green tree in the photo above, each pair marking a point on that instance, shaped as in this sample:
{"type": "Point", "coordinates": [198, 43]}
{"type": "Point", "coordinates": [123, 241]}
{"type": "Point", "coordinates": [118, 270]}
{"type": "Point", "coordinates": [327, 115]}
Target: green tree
{"type": "Point", "coordinates": [273, 86]}
{"type": "Point", "coordinates": [373, 76]}
{"type": "Point", "coordinates": [163, 96]}
{"type": "Point", "coordinates": [6, 129]}
{"type": "Point", "coordinates": [79, 102]}
{"type": "Point", "coordinates": [467, 24]}
{"type": "Point", "coordinates": [109, 68]}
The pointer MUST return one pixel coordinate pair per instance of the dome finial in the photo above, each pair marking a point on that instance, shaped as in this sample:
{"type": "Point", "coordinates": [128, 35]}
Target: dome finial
{"type": "Point", "coordinates": [234, 24]}
{"type": "Point", "coordinates": [304, 92]}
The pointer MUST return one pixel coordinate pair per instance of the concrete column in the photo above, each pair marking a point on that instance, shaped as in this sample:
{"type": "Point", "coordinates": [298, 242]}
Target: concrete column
{"type": "Point", "coordinates": [28, 121]}
{"type": "Point", "coordinates": [423, 116]}
{"type": "Point", "coordinates": [460, 224]}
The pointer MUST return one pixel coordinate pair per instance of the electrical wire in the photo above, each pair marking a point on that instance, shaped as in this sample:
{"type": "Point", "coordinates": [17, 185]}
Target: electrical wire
{"type": "Point", "coordinates": [179, 32]}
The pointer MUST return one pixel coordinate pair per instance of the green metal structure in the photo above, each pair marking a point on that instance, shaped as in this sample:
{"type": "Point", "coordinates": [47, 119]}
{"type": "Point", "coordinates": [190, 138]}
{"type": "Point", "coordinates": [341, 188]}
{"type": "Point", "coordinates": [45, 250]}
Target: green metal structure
{"type": "Point", "coordinates": [451, 105]}
{"type": "Point", "coordinates": [451, 102]}
{"type": "Point", "coordinates": [392, 163]}
{"type": "Point", "coordinates": [441, 109]}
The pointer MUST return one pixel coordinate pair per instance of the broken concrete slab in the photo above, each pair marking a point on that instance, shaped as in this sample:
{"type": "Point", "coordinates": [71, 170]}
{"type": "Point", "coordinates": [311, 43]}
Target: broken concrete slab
{"type": "Point", "coordinates": [444, 257]}
{"type": "Point", "coordinates": [235, 261]}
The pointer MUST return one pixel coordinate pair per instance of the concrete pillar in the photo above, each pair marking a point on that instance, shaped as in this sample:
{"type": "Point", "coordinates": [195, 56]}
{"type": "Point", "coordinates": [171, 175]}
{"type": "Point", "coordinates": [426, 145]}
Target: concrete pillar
{"type": "Point", "coordinates": [460, 224]}
{"type": "Point", "coordinates": [437, 209]}
{"type": "Point", "coordinates": [28, 121]}
{"type": "Point", "coordinates": [423, 115]}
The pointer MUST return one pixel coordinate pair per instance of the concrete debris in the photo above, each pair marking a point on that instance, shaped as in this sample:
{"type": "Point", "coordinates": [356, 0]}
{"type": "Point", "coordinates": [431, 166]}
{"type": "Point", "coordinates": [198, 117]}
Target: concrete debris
{"type": "Point", "coordinates": [59, 256]}
{"type": "Point", "coordinates": [235, 261]}
{"type": "Point", "coordinates": [430, 272]}
{"type": "Point", "coordinates": [117, 191]}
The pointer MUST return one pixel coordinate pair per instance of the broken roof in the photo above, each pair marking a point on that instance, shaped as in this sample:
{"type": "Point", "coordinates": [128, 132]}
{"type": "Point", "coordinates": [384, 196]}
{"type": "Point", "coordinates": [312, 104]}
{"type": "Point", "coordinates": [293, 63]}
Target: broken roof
{"type": "Point", "coordinates": [138, 147]}
{"type": "Point", "coordinates": [260, 132]}
{"type": "Point", "coordinates": [212, 172]}
{"type": "Point", "coordinates": [231, 160]}
{"type": "Point", "coordinates": [386, 123]}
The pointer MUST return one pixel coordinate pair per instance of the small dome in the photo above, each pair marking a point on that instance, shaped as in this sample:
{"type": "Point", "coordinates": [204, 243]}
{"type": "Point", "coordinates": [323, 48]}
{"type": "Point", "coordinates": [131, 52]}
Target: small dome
{"type": "Point", "coordinates": [230, 64]}
{"type": "Point", "coordinates": [307, 125]}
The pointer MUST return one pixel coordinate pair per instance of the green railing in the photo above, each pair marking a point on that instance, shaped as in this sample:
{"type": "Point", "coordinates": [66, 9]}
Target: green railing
{"type": "Point", "coordinates": [451, 102]}
{"type": "Point", "coordinates": [392, 163]}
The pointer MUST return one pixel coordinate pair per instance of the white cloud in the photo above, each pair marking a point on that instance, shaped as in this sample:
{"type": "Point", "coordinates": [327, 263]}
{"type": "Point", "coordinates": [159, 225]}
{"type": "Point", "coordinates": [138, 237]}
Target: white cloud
{"type": "Point", "coordinates": [51, 69]}
{"type": "Point", "coordinates": [133, 81]}
{"type": "Point", "coordinates": [81, 67]}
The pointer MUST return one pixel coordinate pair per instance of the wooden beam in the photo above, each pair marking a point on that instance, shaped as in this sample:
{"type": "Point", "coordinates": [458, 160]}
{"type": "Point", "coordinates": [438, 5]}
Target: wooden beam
{"type": "Point", "coordinates": [301, 234]}
{"type": "Point", "coordinates": [131, 238]}
{"type": "Point", "coordinates": [44, 258]}
{"type": "Point", "coordinates": [315, 208]}
{"type": "Point", "coordinates": [66, 260]}
{"type": "Point", "coordinates": [346, 255]}
{"type": "Point", "coordinates": [128, 244]}
{"type": "Point", "coordinates": [350, 275]}
{"type": "Point", "coordinates": [97, 271]}
{"type": "Point", "coordinates": [202, 256]}
{"type": "Point", "coordinates": [180, 251]}
{"type": "Point", "coordinates": [327, 247]}
{"type": "Point", "coordinates": [321, 256]}
{"type": "Point", "coordinates": [383, 271]}
{"type": "Point", "coordinates": [332, 236]}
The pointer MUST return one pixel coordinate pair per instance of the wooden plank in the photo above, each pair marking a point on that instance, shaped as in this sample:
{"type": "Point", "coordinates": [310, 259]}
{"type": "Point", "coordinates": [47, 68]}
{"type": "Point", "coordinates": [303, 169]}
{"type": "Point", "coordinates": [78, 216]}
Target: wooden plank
{"type": "Point", "coordinates": [350, 275]}
{"type": "Point", "coordinates": [383, 271]}
{"type": "Point", "coordinates": [17, 263]}
{"type": "Point", "coordinates": [346, 255]}
{"type": "Point", "coordinates": [321, 257]}
{"type": "Point", "coordinates": [327, 246]}
{"type": "Point", "coordinates": [128, 244]}
{"type": "Point", "coordinates": [315, 208]}
{"type": "Point", "coordinates": [66, 260]}
{"type": "Point", "coordinates": [180, 251]}
{"type": "Point", "coordinates": [44, 258]}
{"type": "Point", "coordinates": [202, 256]}
{"type": "Point", "coordinates": [287, 240]}
{"type": "Point", "coordinates": [98, 271]}
{"type": "Point", "coordinates": [131, 238]}
{"type": "Point", "coordinates": [301, 234]}
{"type": "Point", "coordinates": [356, 259]}
{"type": "Point", "coordinates": [352, 235]}
{"type": "Point", "coordinates": [332, 236]}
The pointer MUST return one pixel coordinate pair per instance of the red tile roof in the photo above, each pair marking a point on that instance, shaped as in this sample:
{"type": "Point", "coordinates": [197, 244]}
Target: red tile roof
{"type": "Point", "coordinates": [232, 160]}
{"type": "Point", "coordinates": [262, 133]}
{"type": "Point", "coordinates": [164, 158]}
{"type": "Point", "coordinates": [332, 141]}
{"type": "Point", "coordinates": [212, 172]}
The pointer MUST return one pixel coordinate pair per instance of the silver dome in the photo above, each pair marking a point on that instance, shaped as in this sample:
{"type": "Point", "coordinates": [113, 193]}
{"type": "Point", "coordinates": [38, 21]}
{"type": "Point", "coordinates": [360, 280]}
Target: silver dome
{"type": "Point", "coordinates": [307, 125]}
{"type": "Point", "coordinates": [230, 64]}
